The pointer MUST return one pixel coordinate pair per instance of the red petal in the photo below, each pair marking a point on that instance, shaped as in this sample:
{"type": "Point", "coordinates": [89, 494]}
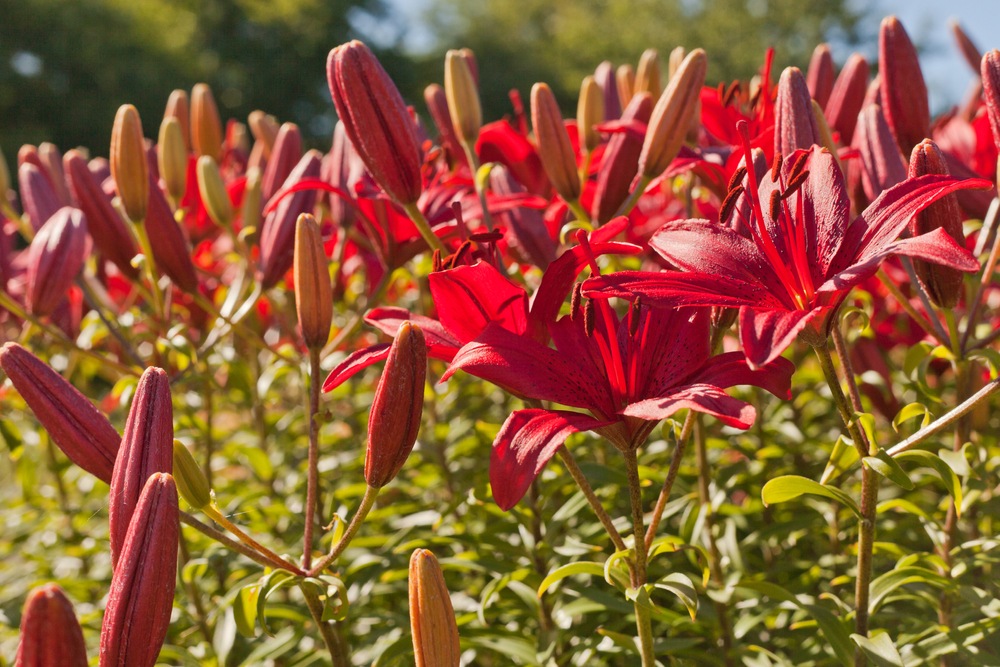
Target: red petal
{"type": "Point", "coordinates": [441, 343]}
{"type": "Point", "coordinates": [355, 362]}
{"type": "Point", "coordinates": [470, 297]}
{"type": "Point", "coordinates": [765, 334]}
{"type": "Point", "coordinates": [700, 398]}
{"type": "Point", "coordinates": [673, 288]}
{"type": "Point", "coordinates": [731, 369]}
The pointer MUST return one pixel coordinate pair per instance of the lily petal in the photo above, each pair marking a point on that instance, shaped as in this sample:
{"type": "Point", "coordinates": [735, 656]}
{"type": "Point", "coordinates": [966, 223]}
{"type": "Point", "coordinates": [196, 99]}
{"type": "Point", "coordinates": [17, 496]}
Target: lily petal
{"type": "Point", "coordinates": [700, 398]}
{"type": "Point", "coordinates": [470, 297]}
{"type": "Point", "coordinates": [731, 369]}
{"type": "Point", "coordinates": [673, 288]}
{"type": "Point", "coordinates": [765, 334]}
{"type": "Point", "coordinates": [355, 362]}
{"type": "Point", "coordinates": [441, 343]}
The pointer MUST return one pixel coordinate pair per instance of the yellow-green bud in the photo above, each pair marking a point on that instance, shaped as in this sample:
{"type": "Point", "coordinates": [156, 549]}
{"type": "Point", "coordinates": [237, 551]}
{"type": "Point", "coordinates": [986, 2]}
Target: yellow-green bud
{"type": "Point", "coordinates": [463, 97]}
{"type": "Point", "coordinates": [190, 479]}
{"type": "Point", "coordinates": [590, 113]}
{"type": "Point", "coordinates": [213, 192]}
{"type": "Point", "coordinates": [647, 74]}
{"type": "Point", "coordinates": [171, 155]}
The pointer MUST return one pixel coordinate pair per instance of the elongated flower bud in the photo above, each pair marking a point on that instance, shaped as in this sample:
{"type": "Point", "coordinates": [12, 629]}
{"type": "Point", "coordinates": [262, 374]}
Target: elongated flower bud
{"type": "Point", "coordinates": [37, 195]}
{"type": "Point", "coordinates": [376, 120]}
{"type": "Point", "coordinates": [847, 97]}
{"type": "Point", "coordinates": [794, 126]}
{"type": "Point", "coordinates": [285, 154]}
{"type": "Point", "coordinates": [52, 159]}
{"type": "Point", "coordinates": [147, 448]}
{"type": "Point", "coordinates": [55, 257]}
{"type": "Point", "coordinates": [50, 634]}
{"type": "Point", "coordinates": [462, 93]}
{"type": "Point", "coordinates": [971, 52]}
{"type": "Point", "coordinates": [604, 75]}
{"type": "Point", "coordinates": [171, 249]}
{"type": "Point", "coordinates": [78, 428]}
{"type": "Point", "coordinates": [277, 235]}
{"type": "Point", "coordinates": [676, 59]}
{"type": "Point", "coordinates": [128, 162]}
{"type": "Point", "coordinates": [190, 479]}
{"type": "Point", "coordinates": [437, 104]}
{"type": "Point", "coordinates": [106, 226]}
{"type": "Point", "coordinates": [990, 70]}
{"type": "Point", "coordinates": [137, 615]}
{"type": "Point", "coordinates": [213, 192]}
{"type": "Point", "coordinates": [820, 75]}
{"type": "Point", "coordinates": [904, 93]}
{"type": "Point", "coordinates": [264, 129]}
{"type": "Point", "coordinates": [673, 115]}
{"type": "Point", "coordinates": [942, 284]}
{"type": "Point", "coordinates": [621, 161]}
{"type": "Point", "coordinates": [313, 292]}
{"type": "Point", "coordinates": [625, 83]}
{"type": "Point", "coordinates": [589, 113]}
{"type": "Point", "coordinates": [432, 618]}
{"type": "Point", "coordinates": [883, 165]}
{"type": "Point", "coordinates": [399, 400]}
{"type": "Point", "coordinates": [4, 178]}
{"type": "Point", "coordinates": [178, 107]}
{"type": "Point", "coordinates": [647, 74]}
{"type": "Point", "coordinates": [251, 207]}
{"type": "Point", "coordinates": [206, 126]}
{"type": "Point", "coordinates": [172, 154]}
{"type": "Point", "coordinates": [554, 147]}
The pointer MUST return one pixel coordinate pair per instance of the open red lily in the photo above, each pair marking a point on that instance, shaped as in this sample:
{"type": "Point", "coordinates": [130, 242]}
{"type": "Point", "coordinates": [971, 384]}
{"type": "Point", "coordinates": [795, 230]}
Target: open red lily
{"type": "Point", "coordinates": [627, 374]}
{"type": "Point", "coordinates": [789, 271]}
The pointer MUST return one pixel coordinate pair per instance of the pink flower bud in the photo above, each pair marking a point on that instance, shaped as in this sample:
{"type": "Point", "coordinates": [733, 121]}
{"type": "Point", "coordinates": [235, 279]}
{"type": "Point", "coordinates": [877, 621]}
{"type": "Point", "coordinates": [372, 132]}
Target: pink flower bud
{"type": "Point", "coordinates": [846, 98]}
{"type": "Point", "coordinates": [52, 159]}
{"type": "Point", "coordinates": [285, 154]}
{"type": "Point", "coordinates": [50, 634]}
{"type": "Point", "coordinates": [904, 93]}
{"type": "Point", "coordinates": [399, 401]}
{"type": "Point", "coordinates": [883, 165]}
{"type": "Point", "coordinates": [55, 257]}
{"type": "Point", "coordinates": [147, 448]}
{"type": "Point", "coordinates": [990, 69]}
{"type": "Point", "coordinates": [171, 249]}
{"type": "Point", "coordinates": [432, 618]}
{"type": "Point", "coordinates": [604, 75]}
{"type": "Point", "coordinates": [376, 120]}
{"type": "Point", "coordinates": [78, 428]}
{"type": "Point", "coordinates": [137, 615]}
{"type": "Point", "coordinates": [277, 235]}
{"type": "Point", "coordinates": [794, 126]}
{"type": "Point", "coordinates": [38, 197]}
{"type": "Point", "coordinates": [554, 147]}
{"type": "Point", "coordinates": [820, 75]}
{"type": "Point", "coordinates": [971, 53]}
{"type": "Point", "coordinates": [621, 161]}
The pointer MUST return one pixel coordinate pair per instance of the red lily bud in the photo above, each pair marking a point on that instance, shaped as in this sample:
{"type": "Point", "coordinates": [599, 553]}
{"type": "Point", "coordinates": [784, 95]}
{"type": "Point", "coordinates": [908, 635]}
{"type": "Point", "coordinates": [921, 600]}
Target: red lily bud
{"type": "Point", "coordinates": [265, 131]}
{"type": "Point", "coordinates": [437, 104]}
{"type": "Point", "coordinates": [673, 115]}
{"type": "Point", "coordinates": [171, 249]}
{"type": "Point", "coordinates": [376, 120]}
{"type": "Point", "coordinates": [528, 238]}
{"type": "Point", "coordinates": [343, 170]}
{"type": "Point", "coordinates": [399, 400]}
{"type": "Point", "coordinates": [846, 98]}
{"type": "Point", "coordinates": [589, 113]}
{"type": "Point", "coordinates": [794, 126]}
{"type": "Point", "coordinates": [285, 154]}
{"type": "Point", "coordinates": [206, 126]}
{"type": "Point", "coordinates": [128, 162]}
{"type": "Point", "coordinates": [277, 234]}
{"type": "Point", "coordinates": [883, 165]}
{"type": "Point", "coordinates": [37, 195]}
{"type": "Point", "coordinates": [107, 228]}
{"type": "Point", "coordinates": [52, 159]}
{"type": "Point", "coordinates": [990, 69]}
{"type": "Point", "coordinates": [904, 93]}
{"type": "Point", "coordinates": [621, 161]}
{"type": "Point", "coordinates": [941, 283]}
{"type": "Point", "coordinates": [820, 74]}
{"type": "Point", "coordinates": [55, 257]}
{"type": "Point", "coordinates": [432, 618]}
{"type": "Point", "coordinates": [50, 634]}
{"type": "Point", "coordinates": [313, 292]}
{"type": "Point", "coordinates": [4, 177]}
{"type": "Point", "coordinates": [647, 74]}
{"type": "Point", "coordinates": [605, 77]}
{"type": "Point", "coordinates": [178, 107]}
{"type": "Point", "coordinates": [147, 448]}
{"type": "Point", "coordinates": [462, 93]}
{"type": "Point", "coordinates": [137, 615]}
{"type": "Point", "coordinates": [78, 428]}
{"type": "Point", "coordinates": [554, 147]}
{"type": "Point", "coordinates": [969, 50]}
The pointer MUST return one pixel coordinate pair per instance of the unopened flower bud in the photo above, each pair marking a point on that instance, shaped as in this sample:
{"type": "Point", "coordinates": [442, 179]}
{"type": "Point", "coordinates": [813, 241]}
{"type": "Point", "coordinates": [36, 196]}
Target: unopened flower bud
{"type": "Point", "coordinates": [794, 126]}
{"type": "Point", "coordinates": [437, 104]}
{"type": "Point", "coordinates": [847, 97]}
{"type": "Point", "coordinates": [137, 615]}
{"type": "Point", "coordinates": [820, 75]}
{"type": "Point", "coordinates": [676, 58]}
{"type": "Point", "coordinates": [190, 479]}
{"type": "Point", "coordinates": [285, 154]}
{"type": "Point", "coordinates": [990, 70]}
{"type": "Point", "coordinates": [621, 161]}
{"type": "Point", "coordinates": [604, 75]}
{"type": "Point", "coordinates": [971, 53]}
{"type": "Point", "coordinates": [206, 125]}
{"type": "Point", "coordinates": [399, 401]}
{"type": "Point", "coordinates": [78, 428]}
{"type": "Point", "coordinates": [147, 448]}
{"type": "Point", "coordinates": [432, 617]}
{"type": "Point", "coordinates": [625, 83]}
{"type": "Point", "coordinates": [313, 292]}
{"type": "Point", "coordinates": [376, 120]}
{"type": "Point", "coordinates": [55, 257]}
{"type": "Point", "coordinates": [904, 93]}
{"type": "Point", "coordinates": [554, 147]}
{"type": "Point", "coordinates": [38, 198]}
{"type": "Point", "coordinates": [4, 178]}
{"type": "Point", "coordinates": [50, 634]}
{"type": "Point", "coordinates": [942, 284]}
{"type": "Point", "coordinates": [264, 129]}
{"type": "Point", "coordinates": [463, 97]}
{"type": "Point", "coordinates": [673, 115]}
{"type": "Point", "coordinates": [178, 107]}
{"type": "Point", "coordinates": [250, 209]}
{"type": "Point", "coordinates": [277, 234]}
{"type": "Point", "coordinates": [589, 113]}
{"type": "Point", "coordinates": [647, 74]}
{"type": "Point", "coordinates": [171, 249]}
{"type": "Point", "coordinates": [213, 192]}
{"type": "Point", "coordinates": [128, 162]}
{"type": "Point", "coordinates": [172, 157]}
{"type": "Point", "coordinates": [883, 165]}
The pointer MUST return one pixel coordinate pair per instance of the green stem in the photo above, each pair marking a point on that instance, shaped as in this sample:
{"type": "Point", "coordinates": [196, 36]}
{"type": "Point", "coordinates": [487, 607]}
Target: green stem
{"type": "Point", "coordinates": [213, 513]}
{"type": "Point", "coordinates": [223, 539]}
{"type": "Point", "coordinates": [931, 327]}
{"type": "Point", "coordinates": [578, 210]}
{"type": "Point", "coordinates": [424, 227]}
{"type": "Point", "coordinates": [946, 420]}
{"type": "Point", "coordinates": [642, 619]}
{"type": "Point", "coordinates": [312, 483]}
{"type": "Point", "coordinates": [668, 483]}
{"type": "Point", "coordinates": [367, 502]}
{"type": "Point", "coordinates": [334, 642]}
{"type": "Point", "coordinates": [581, 481]}
{"type": "Point", "coordinates": [149, 266]}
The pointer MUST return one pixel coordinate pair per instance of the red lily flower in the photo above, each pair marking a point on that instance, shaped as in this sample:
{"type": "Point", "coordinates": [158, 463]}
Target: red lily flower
{"type": "Point", "coordinates": [790, 271]}
{"type": "Point", "coordinates": [628, 374]}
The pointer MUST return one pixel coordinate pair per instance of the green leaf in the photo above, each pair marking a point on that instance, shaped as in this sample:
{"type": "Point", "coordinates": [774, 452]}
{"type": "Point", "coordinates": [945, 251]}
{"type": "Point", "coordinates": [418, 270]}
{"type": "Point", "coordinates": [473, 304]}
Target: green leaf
{"type": "Point", "coordinates": [885, 584]}
{"type": "Point", "coordinates": [912, 411]}
{"type": "Point", "coordinates": [991, 357]}
{"type": "Point", "coordinates": [245, 610]}
{"type": "Point", "coordinates": [274, 581]}
{"type": "Point", "coordinates": [842, 457]}
{"type": "Point", "coordinates": [944, 471]}
{"type": "Point", "coordinates": [616, 564]}
{"type": "Point", "coordinates": [560, 573]}
{"type": "Point", "coordinates": [681, 585]}
{"type": "Point", "coordinates": [879, 650]}
{"type": "Point", "coordinates": [887, 467]}
{"type": "Point", "coordinates": [789, 487]}
{"type": "Point", "coordinates": [915, 356]}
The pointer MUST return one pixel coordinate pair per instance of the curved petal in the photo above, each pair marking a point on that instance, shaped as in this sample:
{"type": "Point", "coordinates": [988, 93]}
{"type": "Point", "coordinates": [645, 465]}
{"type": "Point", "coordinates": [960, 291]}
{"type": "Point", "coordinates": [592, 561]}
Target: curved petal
{"type": "Point", "coordinates": [676, 288]}
{"type": "Point", "coordinates": [441, 343]}
{"type": "Point", "coordinates": [731, 369]}
{"type": "Point", "coordinates": [700, 398]}
{"type": "Point", "coordinates": [765, 334]}
{"type": "Point", "coordinates": [470, 297]}
{"type": "Point", "coordinates": [525, 443]}
{"type": "Point", "coordinates": [825, 203]}
{"type": "Point", "coordinates": [355, 362]}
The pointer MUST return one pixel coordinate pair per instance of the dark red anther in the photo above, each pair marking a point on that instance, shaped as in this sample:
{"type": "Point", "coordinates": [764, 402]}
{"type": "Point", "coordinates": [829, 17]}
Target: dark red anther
{"type": "Point", "coordinates": [798, 165]}
{"type": "Point", "coordinates": [731, 93]}
{"type": "Point", "coordinates": [729, 203]}
{"type": "Point", "coordinates": [737, 179]}
{"type": "Point", "coordinates": [574, 301]}
{"type": "Point", "coordinates": [461, 253]}
{"type": "Point", "coordinates": [776, 167]}
{"type": "Point", "coordinates": [775, 205]}
{"type": "Point", "coordinates": [795, 183]}
{"type": "Point", "coordinates": [634, 315]}
{"type": "Point", "coordinates": [589, 319]}
{"type": "Point", "coordinates": [436, 260]}
{"type": "Point", "coordinates": [486, 237]}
